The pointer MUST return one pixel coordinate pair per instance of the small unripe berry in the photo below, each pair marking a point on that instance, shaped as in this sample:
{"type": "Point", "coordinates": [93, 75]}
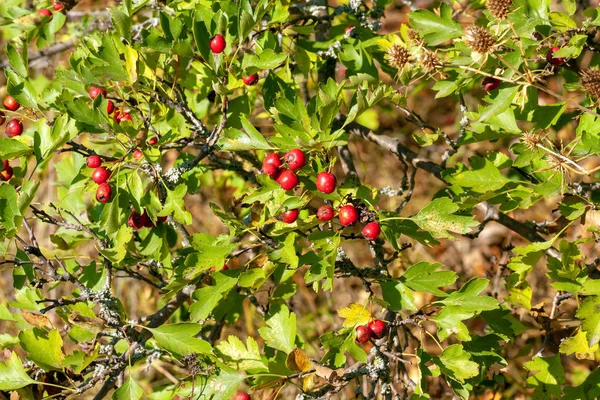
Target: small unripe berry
{"type": "Point", "coordinates": [348, 215]}
{"type": "Point", "coordinates": [137, 220]}
{"type": "Point", "coordinates": [363, 333]}
{"type": "Point", "coordinates": [10, 103]}
{"type": "Point", "coordinates": [44, 12]}
{"type": "Point", "coordinates": [250, 80]}
{"type": "Point", "coordinates": [14, 128]}
{"type": "Point", "coordinates": [289, 216]}
{"type": "Point", "coordinates": [326, 182]}
{"type": "Point", "coordinates": [217, 44]}
{"type": "Point", "coordinates": [110, 107]}
{"type": "Point", "coordinates": [152, 141]}
{"type": "Point", "coordinates": [371, 231]}
{"type": "Point", "coordinates": [325, 213]}
{"type": "Point", "coordinates": [552, 60]}
{"type": "Point", "coordinates": [94, 161]}
{"type": "Point", "coordinates": [100, 175]}
{"type": "Point", "coordinates": [96, 91]}
{"type": "Point", "coordinates": [378, 328]}
{"type": "Point", "coordinates": [242, 396]}
{"type": "Point", "coordinates": [104, 193]}
{"type": "Point", "coordinates": [490, 84]}
{"type": "Point", "coordinates": [137, 155]}
{"type": "Point", "coordinates": [295, 159]}
{"type": "Point", "coordinates": [288, 179]}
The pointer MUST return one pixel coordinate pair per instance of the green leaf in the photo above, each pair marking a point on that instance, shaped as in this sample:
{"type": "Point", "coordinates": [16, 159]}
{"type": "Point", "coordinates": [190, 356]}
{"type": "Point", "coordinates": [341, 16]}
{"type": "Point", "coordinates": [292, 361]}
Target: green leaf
{"type": "Point", "coordinates": [449, 321]}
{"type": "Point", "coordinates": [468, 297]}
{"type": "Point", "coordinates": [180, 339]}
{"type": "Point", "coordinates": [589, 313]}
{"type": "Point", "coordinates": [501, 101]}
{"type": "Point", "coordinates": [280, 332]}
{"type": "Point", "coordinates": [579, 345]}
{"type": "Point", "coordinates": [483, 176]}
{"type": "Point", "coordinates": [221, 386]}
{"type": "Point", "coordinates": [13, 375]}
{"type": "Point", "coordinates": [241, 357]}
{"type": "Point", "coordinates": [435, 29]}
{"type": "Point", "coordinates": [16, 61]}
{"type": "Point", "coordinates": [438, 218]}
{"type": "Point", "coordinates": [10, 216]}
{"type": "Point", "coordinates": [208, 297]}
{"type": "Point", "coordinates": [426, 277]}
{"type": "Point", "coordinates": [547, 376]}
{"type": "Point", "coordinates": [251, 139]}
{"type": "Point", "coordinates": [210, 252]}
{"type": "Point", "coordinates": [268, 59]}
{"type": "Point", "coordinates": [11, 148]}
{"type": "Point", "coordinates": [455, 362]}
{"type": "Point", "coordinates": [175, 205]}
{"type": "Point", "coordinates": [130, 390]}
{"type": "Point", "coordinates": [45, 349]}
{"type": "Point", "coordinates": [286, 253]}
{"type": "Point", "coordinates": [398, 296]}
{"type": "Point", "coordinates": [21, 89]}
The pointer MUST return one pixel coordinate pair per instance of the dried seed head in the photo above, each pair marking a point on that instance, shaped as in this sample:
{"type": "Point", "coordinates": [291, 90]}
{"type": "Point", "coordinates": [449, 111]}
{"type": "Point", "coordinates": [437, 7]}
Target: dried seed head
{"type": "Point", "coordinates": [479, 39]}
{"type": "Point", "coordinates": [499, 8]}
{"type": "Point", "coordinates": [430, 60]}
{"type": "Point", "coordinates": [413, 35]}
{"type": "Point", "coordinates": [398, 56]}
{"type": "Point", "coordinates": [531, 140]}
{"type": "Point", "coordinates": [590, 80]}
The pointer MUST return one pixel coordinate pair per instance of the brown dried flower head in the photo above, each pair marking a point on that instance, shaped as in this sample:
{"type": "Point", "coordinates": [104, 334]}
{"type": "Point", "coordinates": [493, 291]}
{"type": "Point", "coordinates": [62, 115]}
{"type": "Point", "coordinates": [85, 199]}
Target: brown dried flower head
{"type": "Point", "coordinates": [590, 80]}
{"type": "Point", "coordinates": [479, 39]}
{"type": "Point", "coordinates": [430, 60]}
{"type": "Point", "coordinates": [413, 35]}
{"type": "Point", "coordinates": [532, 139]}
{"type": "Point", "coordinates": [499, 8]}
{"type": "Point", "coordinates": [398, 56]}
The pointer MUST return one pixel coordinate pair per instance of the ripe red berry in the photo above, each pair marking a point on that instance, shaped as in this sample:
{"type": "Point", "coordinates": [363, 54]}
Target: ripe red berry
{"type": "Point", "coordinates": [242, 396]}
{"type": "Point", "coordinates": [100, 175]}
{"type": "Point", "coordinates": [217, 44]}
{"type": "Point", "coordinates": [348, 215]}
{"type": "Point", "coordinates": [250, 80]}
{"type": "Point", "coordinates": [325, 213]}
{"type": "Point", "coordinates": [289, 216]}
{"type": "Point", "coordinates": [2, 118]}
{"type": "Point", "coordinates": [110, 107]}
{"type": "Point", "coordinates": [153, 140]}
{"type": "Point", "coordinates": [10, 103]}
{"type": "Point", "coordinates": [119, 116]}
{"type": "Point", "coordinates": [326, 182]}
{"type": "Point", "coordinates": [96, 91]}
{"type": "Point", "coordinates": [137, 220]}
{"type": "Point", "coordinates": [104, 192]}
{"type": "Point", "coordinates": [363, 333]}
{"type": "Point", "coordinates": [378, 328]}
{"type": "Point", "coordinates": [94, 161]}
{"type": "Point", "coordinates": [371, 231]}
{"type": "Point", "coordinates": [14, 128]}
{"type": "Point", "coordinates": [57, 5]}
{"type": "Point", "coordinates": [271, 170]}
{"type": "Point", "coordinates": [45, 12]}
{"type": "Point", "coordinates": [137, 155]}
{"type": "Point", "coordinates": [490, 83]}
{"type": "Point", "coordinates": [552, 60]}
{"type": "Point", "coordinates": [161, 220]}
{"type": "Point", "coordinates": [288, 179]}
{"type": "Point", "coordinates": [273, 159]}
{"type": "Point", "coordinates": [295, 159]}
{"type": "Point", "coordinates": [7, 172]}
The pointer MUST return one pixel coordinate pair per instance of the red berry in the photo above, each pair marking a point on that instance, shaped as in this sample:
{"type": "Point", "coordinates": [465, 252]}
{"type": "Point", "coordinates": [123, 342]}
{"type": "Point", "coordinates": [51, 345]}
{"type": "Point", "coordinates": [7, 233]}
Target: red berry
{"type": "Point", "coordinates": [363, 333]}
{"type": "Point", "coordinates": [273, 159]}
{"type": "Point", "coordinates": [10, 103]}
{"type": "Point", "coordinates": [2, 118]}
{"type": "Point", "coordinates": [45, 12]}
{"type": "Point", "coordinates": [217, 44]}
{"type": "Point", "coordinates": [378, 328]}
{"type": "Point", "coordinates": [118, 116]}
{"type": "Point", "coordinates": [490, 83]}
{"type": "Point", "coordinates": [551, 59]}
{"type": "Point", "coordinates": [137, 154]}
{"type": "Point", "coordinates": [161, 220]}
{"type": "Point", "coordinates": [289, 216]}
{"type": "Point", "coordinates": [96, 91]}
{"type": "Point", "coordinates": [325, 213]}
{"type": "Point", "coordinates": [94, 161]}
{"type": "Point", "coordinates": [271, 170]}
{"type": "Point", "coordinates": [288, 179]}
{"type": "Point", "coordinates": [100, 175]}
{"type": "Point", "coordinates": [148, 222]}
{"type": "Point", "coordinates": [4, 165]}
{"type": "Point", "coordinates": [110, 107]}
{"type": "Point", "coordinates": [137, 220]}
{"type": "Point", "coordinates": [7, 172]}
{"type": "Point", "coordinates": [104, 193]}
{"type": "Point", "coordinates": [242, 396]}
{"type": "Point", "coordinates": [14, 128]}
{"type": "Point", "coordinates": [250, 80]}
{"type": "Point", "coordinates": [153, 140]}
{"type": "Point", "coordinates": [295, 159]}
{"type": "Point", "coordinates": [371, 231]}
{"type": "Point", "coordinates": [57, 5]}
{"type": "Point", "coordinates": [326, 182]}
{"type": "Point", "coordinates": [348, 215]}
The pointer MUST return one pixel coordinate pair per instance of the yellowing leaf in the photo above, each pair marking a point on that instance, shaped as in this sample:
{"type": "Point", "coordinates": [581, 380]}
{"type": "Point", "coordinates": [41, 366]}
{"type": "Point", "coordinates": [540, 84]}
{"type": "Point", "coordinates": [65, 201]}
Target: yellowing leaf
{"type": "Point", "coordinates": [354, 315]}
{"type": "Point", "coordinates": [297, 361]}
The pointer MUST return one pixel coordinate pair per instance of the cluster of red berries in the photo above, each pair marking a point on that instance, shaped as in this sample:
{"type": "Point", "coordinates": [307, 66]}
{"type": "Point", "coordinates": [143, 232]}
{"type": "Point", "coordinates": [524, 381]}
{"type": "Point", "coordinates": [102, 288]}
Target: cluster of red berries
{"type": "Point", "coordinates": [217, 45]}
{"type": "Point", "coordinates": [14, 126]}
{"type": "Point", "coordinates": [375, 329]}
{"type": "Point", "coordinates": [100, 176]}
{"type": "Point", "coordinates": [45, 12]}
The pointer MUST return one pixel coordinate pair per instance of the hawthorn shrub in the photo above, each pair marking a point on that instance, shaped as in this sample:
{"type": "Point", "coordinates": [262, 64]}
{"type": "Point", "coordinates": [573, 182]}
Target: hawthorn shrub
{"type": "Point", "coordinates": [327, 265]}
